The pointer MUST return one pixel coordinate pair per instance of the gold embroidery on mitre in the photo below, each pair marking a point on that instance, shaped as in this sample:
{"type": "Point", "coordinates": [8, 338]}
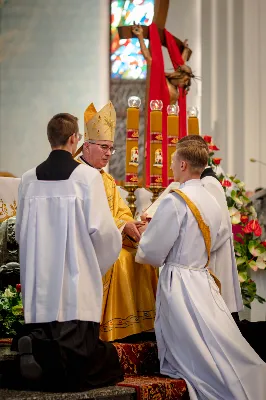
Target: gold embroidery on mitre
{"type": "Point", "coordinates": [101, 126]}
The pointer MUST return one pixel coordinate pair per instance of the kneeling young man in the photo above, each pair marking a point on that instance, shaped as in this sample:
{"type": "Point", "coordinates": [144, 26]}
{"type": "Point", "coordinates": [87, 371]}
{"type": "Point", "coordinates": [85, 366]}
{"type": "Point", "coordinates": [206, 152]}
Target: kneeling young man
{"type": "Point", "coordinates": [196, 334]}
{"type": "Point", "coordinates": [68, 240]}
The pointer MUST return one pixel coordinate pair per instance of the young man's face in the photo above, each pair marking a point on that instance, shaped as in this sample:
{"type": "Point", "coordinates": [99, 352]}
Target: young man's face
{"type": "Point", "coordinates": [176, 167]}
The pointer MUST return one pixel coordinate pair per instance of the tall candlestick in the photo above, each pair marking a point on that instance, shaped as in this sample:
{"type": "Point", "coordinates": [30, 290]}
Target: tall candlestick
{"type": "Point", "coordinates": [172, 136]}
{"type": "Point", "coordinates": [193, 122]}
{"type": "Point", "coordinates": [156, 150]}
{"type": "Point", "coordinates": [132, 151]}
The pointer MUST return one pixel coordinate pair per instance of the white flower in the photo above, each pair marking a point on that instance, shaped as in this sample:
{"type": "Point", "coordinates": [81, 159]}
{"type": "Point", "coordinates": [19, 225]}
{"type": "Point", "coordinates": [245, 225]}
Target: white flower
{"type": "Point", "coordinates": [260, 263]}
{"type": "Point", "coordinates": [241, 185]}
{"type": "Point", "coordinates": [8, 293]}
{"type": "Point", "coordinates": [235, 216]}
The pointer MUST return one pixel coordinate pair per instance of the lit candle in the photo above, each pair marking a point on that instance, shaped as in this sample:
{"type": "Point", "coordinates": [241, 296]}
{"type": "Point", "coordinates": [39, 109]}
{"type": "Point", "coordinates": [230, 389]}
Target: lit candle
{"type": "Point", "coordinates": [156, 140]}
{"type": "Point", "coordinates": [193, 122]}
{"type": "Point", "coordinates": [172, 136]}
{"type": "Point", "coordinates": [132, 151]}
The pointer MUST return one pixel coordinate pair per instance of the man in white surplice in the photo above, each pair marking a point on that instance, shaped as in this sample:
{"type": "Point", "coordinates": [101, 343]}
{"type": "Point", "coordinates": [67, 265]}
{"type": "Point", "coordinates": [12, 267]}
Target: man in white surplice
{"type": "Point", "coordinates": [222, 261]}
{"type": "Point", "coordinates": [196, 334]}
{"type": "Point", "coordinates": [67, 241]}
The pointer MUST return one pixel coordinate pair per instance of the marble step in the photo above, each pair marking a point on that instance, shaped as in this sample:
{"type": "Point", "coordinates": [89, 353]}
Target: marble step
{"type": "Point", "coordinates": [107, 393]}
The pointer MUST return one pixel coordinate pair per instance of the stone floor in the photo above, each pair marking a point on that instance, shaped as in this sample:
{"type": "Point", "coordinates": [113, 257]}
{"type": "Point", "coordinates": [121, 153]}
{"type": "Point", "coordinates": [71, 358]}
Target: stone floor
{"type": "Point", "coordinates": [107, 393]}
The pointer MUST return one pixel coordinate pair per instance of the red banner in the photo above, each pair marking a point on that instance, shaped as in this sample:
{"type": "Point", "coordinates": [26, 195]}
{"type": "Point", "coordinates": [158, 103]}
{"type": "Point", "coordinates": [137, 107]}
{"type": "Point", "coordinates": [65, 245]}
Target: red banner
{"type": "Point", "coordinates": [172, 141]}
{"type": "Point", "coordinates": [156, 137]}
{"type": "Point", "coordinates": [132, 179]}
{"type": "Point", "coordinates": [159, 91]}
{"type": "Point", "coordinates": [156, 181]}
{"type": "Point", "coordinates": [132, 134]}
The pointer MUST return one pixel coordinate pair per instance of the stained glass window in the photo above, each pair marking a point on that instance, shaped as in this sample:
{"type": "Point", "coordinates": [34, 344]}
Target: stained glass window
{"type": "Point", "coordinates": [127, 62]}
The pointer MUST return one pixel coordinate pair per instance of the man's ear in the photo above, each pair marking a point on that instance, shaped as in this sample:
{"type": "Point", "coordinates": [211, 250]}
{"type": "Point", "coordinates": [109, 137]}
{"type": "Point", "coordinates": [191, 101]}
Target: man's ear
{"type": "Point", "coordinates": [86, 145]}
{"type": "Point", "coordinates": [183, 165]}
{"type": "Point", "coordinates": [72, 139]}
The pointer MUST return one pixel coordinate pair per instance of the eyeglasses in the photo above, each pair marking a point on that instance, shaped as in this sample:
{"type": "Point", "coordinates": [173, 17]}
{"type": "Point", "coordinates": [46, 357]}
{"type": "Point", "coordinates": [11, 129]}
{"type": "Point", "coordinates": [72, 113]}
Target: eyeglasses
{"type": "Point", "coordinates": [79, 135]}
{"type": "Point", "coordinates": [105, 147]}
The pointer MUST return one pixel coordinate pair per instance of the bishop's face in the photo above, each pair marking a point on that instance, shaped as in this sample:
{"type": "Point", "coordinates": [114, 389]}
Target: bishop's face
{"type": "Point", "coordinates": [98, 152]}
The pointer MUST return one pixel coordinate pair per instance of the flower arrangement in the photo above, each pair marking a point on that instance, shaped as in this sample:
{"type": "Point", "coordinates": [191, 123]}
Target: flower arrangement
{"type": "Point", "coordinates": [250, 251]}
{"type": "Point", "coordinates": [11, 311]}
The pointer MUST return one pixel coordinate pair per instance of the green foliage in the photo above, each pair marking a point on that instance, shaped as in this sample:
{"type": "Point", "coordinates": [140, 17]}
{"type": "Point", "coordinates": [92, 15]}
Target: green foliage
{"type": "Point", "coordinates": [250, 251]}
{"type": "Point", "coordinates": [11, 311]}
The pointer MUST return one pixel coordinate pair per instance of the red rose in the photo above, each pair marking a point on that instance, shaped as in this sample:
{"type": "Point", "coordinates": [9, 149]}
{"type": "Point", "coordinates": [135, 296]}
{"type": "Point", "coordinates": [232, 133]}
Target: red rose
{"type": "Point", "coordinates": [263, 243]}
{"type": "Point", "coordinates": [213, 147]}
{"type": "Point", "coordinates": [217, 161]}
{"type": "Point", "coordinates": [226, 183]}
{"type": "Point", "coordinates": [208, 139]}
{"type": "Point", "coordinates": [18, 287]}
{"type": "Point", "coordinates": [244, 219]}
{"type": "Point", "coordinates": [253, 227]}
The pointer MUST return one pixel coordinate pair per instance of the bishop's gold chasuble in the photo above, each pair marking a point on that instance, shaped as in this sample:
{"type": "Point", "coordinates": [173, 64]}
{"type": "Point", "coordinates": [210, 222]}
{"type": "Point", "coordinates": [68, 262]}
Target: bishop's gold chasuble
{"type": "Point", "coordinates": [129, 288]}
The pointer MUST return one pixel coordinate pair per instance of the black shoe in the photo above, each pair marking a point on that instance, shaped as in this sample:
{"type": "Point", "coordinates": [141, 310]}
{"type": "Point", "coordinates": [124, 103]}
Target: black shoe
{"type": "Point", "coordinates": [29, 368]}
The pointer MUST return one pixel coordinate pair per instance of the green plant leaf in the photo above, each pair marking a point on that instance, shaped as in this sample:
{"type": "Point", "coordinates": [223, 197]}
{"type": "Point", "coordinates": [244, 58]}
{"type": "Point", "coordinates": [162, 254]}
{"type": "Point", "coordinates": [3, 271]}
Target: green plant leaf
{"type": "Point", "coordinates": [255, 248]}
{"type": "Point", "coordinates": [242, 276]}
{"type": "Point", "coordinates": [240, 260]}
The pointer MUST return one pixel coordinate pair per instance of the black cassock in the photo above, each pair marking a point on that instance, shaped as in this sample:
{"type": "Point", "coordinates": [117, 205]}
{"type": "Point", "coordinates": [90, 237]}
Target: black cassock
{"type": "Point", "coordinates": [70, 353]}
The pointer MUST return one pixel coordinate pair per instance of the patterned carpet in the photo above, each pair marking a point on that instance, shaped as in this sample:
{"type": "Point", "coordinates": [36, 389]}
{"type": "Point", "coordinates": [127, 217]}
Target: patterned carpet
{"type": "Point", "coordinates": [138, 358]}
{"type": "Point", "coordinates": [141, 367]}
{"type": "Point", "coordinates": [156, 387]}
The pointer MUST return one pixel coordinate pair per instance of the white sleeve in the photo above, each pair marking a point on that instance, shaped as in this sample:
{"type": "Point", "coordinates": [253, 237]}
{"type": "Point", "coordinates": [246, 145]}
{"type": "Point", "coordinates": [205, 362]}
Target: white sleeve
{"type": "Point", "coordinates": [161, 234]}
{"type": "Point", "coordinates": [19, 212]}
{"type": "Point", "coordinates": [105, 236]}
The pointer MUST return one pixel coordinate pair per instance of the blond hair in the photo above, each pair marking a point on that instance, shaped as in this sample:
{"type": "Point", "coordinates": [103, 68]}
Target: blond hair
{"type": "Point", "coordinates": [194, 154]}
{"type": "Point", "coordinates": [199, 140]}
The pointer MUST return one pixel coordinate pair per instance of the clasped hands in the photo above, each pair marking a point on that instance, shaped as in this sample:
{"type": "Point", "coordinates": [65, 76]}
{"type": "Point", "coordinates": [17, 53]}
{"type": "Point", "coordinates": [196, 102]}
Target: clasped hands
{"type": "Point", "coordinates": [134, 229]}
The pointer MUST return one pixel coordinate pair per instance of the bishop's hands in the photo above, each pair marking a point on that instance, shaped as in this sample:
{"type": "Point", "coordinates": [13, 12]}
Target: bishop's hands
{"type": "Point", "coordinates": [144, 221]}
{"type": "Point", "coordinates": [132, 229]}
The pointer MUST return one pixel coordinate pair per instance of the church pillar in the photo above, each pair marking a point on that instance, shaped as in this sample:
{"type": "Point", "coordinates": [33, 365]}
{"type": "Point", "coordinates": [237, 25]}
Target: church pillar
{"type": "Point", "coordinates": [255, 91]}
{"type": "Point", "coordinates": [222, 79]}
{"type": "Point", "coordinates": [184, 22]}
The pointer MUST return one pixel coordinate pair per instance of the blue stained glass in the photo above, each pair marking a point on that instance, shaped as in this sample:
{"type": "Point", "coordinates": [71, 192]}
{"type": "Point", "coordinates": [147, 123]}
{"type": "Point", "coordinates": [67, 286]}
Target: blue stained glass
{"type": "Point", "coordinates": [127, 62]}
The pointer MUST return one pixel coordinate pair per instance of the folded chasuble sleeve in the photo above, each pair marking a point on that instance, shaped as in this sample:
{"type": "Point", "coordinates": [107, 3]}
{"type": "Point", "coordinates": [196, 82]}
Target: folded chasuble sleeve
{"type": "Point", "coordinates": [123, 214]}
{"type": "Point", "coordinates": [102, 228]}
